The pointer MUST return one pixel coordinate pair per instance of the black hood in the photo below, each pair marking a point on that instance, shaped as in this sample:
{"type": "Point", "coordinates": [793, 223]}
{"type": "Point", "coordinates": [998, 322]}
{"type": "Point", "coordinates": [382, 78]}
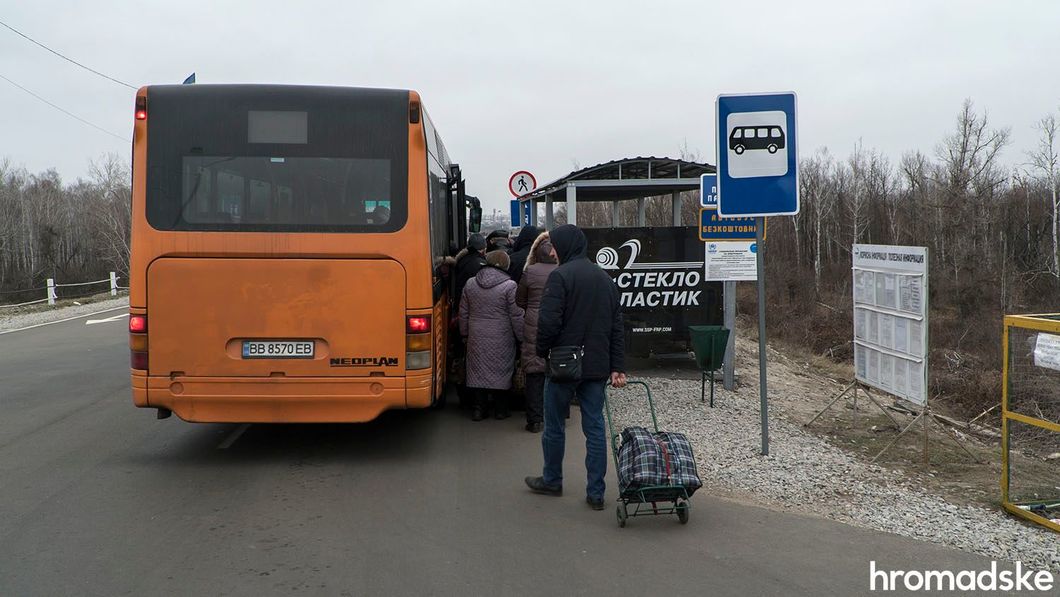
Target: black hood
{"type": "Point", "coordinates": [527, 236]}
{"type": "Point", "coordinates": [569, 242]}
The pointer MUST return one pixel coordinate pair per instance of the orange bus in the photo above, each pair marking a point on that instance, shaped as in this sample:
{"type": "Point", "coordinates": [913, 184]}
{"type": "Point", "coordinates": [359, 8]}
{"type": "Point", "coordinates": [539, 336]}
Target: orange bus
{"type": "Point", "coordinates": [288, 252]}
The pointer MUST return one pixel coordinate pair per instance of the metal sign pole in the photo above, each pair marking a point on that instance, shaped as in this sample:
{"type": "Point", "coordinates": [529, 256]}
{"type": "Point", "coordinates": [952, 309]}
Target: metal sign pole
{"type": "Point", "coordinates": [729, 299]}
{"type": "Point", "coordinates": [762, 392]}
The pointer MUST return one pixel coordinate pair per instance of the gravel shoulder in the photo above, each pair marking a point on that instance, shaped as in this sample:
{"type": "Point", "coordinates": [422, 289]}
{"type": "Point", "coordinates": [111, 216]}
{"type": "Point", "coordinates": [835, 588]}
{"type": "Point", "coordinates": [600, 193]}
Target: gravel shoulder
{"type": "Point", "coordinates": [13, 319]}
{"type": "Point", "coordinates": [807, 472]}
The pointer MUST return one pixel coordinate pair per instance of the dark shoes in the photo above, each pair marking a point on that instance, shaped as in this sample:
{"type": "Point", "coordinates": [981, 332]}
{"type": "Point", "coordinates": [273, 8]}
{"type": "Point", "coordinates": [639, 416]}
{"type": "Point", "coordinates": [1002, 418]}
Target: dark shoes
{"type": "Point", "coordinates": [535, 427]}
{"type": "Point", "coordinates": [477, 414]}
{"type": "Point", "coordinates": [595, 503]}
{"type": "Point", "coordinates": [538, 485]}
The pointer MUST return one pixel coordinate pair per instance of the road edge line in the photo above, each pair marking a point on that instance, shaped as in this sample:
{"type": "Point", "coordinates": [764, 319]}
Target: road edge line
{"type": "Point", "coordinates": [61, 320]}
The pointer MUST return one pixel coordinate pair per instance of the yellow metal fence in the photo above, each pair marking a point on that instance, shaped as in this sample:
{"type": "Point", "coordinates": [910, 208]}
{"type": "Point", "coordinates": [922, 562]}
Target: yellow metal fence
{"type": "Point", "coordinates": [1030, 423]}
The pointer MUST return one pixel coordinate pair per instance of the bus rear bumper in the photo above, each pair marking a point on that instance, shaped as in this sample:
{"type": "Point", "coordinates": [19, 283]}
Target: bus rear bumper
{"type": "Point", "coordinates": [280, 400]}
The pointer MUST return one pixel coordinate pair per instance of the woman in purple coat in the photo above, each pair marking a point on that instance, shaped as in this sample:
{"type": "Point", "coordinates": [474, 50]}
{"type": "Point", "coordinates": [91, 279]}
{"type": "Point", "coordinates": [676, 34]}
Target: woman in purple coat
{"type": "Point", "coordinates": [539, 264]}
{"type": "Point", "coordinates": [490, 323]}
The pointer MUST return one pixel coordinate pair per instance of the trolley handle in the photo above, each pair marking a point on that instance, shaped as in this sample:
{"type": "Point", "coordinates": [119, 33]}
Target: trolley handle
{"type": "Point", "coordinates": [651, 405]}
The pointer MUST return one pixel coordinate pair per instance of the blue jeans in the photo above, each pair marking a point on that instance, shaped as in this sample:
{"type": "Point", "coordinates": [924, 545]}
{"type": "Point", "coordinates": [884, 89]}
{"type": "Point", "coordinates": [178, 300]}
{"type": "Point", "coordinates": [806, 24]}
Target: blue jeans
{"type": "Point", "coordinates": [591, 400]}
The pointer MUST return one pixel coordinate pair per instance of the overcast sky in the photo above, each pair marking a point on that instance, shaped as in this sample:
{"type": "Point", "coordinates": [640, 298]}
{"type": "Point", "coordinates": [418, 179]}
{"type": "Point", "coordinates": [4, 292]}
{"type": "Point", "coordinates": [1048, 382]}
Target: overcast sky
{"type": "Point", "coordinates": [544, 85]}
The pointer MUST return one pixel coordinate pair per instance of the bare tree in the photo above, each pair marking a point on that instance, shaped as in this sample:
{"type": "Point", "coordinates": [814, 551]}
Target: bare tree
{"type": "Point", "coordinates": [1044, 160]}
{"type": "Point", "coordinates": [818, 203]}
{"type": "Point", "coordinates": [856, 191]}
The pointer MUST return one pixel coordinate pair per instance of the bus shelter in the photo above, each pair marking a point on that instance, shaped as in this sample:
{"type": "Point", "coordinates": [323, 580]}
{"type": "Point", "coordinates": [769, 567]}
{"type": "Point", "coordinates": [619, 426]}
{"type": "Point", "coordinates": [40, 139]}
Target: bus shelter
{"type": "Point", "coordinates": [658, 267]}
{"type": "Point", "coordinates": [628, 179]}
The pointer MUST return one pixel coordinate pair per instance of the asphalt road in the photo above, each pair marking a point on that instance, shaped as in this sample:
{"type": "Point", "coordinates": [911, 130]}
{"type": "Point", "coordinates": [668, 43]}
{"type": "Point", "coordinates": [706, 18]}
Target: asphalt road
{"type": "Point", "coordinates": [99, 498]}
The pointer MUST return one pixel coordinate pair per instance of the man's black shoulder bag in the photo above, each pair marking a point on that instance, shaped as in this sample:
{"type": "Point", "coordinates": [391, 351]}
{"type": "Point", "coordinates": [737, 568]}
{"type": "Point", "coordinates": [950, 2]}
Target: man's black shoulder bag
{"type": "Point", "coordinates": [565, 362]}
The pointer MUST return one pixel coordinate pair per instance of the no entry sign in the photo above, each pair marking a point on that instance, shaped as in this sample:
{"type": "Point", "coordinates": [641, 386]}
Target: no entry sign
{"type": "Point", "coordinates": [521, 183]}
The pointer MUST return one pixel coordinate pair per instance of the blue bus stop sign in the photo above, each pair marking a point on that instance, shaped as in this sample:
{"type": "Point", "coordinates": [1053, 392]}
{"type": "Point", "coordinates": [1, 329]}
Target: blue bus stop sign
{"type": "Point", "coordinates": [758, 158]}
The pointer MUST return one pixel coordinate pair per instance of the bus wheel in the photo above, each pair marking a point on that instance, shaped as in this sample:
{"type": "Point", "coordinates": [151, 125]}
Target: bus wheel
{"type": "Point", "coordinates": [772, 148]}
{"type": "Point", "coordinates": [738, 149]}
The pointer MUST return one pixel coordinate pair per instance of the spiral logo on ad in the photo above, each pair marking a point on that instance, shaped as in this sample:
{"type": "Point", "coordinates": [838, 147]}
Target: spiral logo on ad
{"type": "Point", "coordinates": [607, 258]}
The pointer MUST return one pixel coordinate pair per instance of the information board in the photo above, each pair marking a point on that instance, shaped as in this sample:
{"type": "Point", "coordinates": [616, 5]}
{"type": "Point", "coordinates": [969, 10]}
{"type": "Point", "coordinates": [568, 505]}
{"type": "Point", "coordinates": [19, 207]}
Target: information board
{"type": "Point", "coordinates": [890, 289]}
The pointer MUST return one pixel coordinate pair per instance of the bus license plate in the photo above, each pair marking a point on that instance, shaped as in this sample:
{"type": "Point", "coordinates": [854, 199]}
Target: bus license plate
{"type": "Point", "coordinates": [278, 349]}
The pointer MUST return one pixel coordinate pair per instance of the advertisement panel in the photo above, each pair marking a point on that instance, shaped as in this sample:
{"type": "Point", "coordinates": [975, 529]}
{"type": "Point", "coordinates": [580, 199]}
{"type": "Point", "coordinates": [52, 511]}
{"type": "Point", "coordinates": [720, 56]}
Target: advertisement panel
{"type": "Point", "coordinates": [659, 272]}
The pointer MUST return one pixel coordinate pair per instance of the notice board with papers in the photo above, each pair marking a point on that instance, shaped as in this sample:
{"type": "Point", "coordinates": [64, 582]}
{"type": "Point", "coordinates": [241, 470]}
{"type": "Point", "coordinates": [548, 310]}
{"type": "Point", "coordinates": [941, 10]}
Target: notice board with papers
{"type": "Point", "coordinates": [890, 288]}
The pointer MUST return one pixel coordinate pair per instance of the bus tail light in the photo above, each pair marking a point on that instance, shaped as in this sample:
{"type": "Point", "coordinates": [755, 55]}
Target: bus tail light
{"type": "Point", "coordinates": [418, 360]}
{"type": "Point", "coordinates": [138, 360]}
{"type": "Point", "coordinates": [141, 107]}
{"type": "Point", "coordinates": [138, 342]}
{"type": "Point", "coordinates": [418, 324]}
{"type": "Point", "coordinates": [418, 342]}
{"type": "Point", "coordinates": [137, 324]}
{"type": "Point", "coordinates": [415, 342]}
{"type": "Point", "coordinates": [414, 112]}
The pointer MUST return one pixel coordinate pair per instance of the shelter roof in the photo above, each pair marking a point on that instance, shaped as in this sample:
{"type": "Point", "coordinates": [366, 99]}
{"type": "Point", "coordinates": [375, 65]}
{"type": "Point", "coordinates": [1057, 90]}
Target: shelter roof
{"type": "Point", "coordinates": [627, 178]}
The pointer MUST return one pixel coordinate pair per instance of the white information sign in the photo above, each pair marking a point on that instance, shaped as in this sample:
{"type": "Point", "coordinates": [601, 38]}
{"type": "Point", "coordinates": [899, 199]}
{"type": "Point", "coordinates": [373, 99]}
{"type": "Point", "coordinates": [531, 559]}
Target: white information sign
{"type": "Point", "coordinates": [890, 286]}
{"type": "Point", "coordinates": [1047, 351]}
{"type": "Point", "coordinates": [729, 261]}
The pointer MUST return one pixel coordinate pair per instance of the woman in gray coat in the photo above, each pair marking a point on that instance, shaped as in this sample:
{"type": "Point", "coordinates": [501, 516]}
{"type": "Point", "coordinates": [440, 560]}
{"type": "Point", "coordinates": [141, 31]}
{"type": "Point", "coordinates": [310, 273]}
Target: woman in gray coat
{"type": "Point", "coordinates": [539, 264]}
{"type": "Point", "coordinates": [490, 323]}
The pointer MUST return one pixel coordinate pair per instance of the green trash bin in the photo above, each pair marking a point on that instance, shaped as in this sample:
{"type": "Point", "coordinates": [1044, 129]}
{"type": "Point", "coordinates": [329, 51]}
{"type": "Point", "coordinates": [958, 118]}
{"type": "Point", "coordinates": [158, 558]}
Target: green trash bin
{"type": "Point", "coordinates": [708, 343]}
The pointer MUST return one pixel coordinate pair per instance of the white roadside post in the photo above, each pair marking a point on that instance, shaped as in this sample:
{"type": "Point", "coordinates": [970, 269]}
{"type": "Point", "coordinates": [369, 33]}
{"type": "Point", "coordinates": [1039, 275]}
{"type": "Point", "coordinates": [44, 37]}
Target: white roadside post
{"type": "Point", "coordinates": [51, 291]}
{"type": "Point", "coordinates": [113, 284]}
{"type": "Point", "coordinates": [758, 176]}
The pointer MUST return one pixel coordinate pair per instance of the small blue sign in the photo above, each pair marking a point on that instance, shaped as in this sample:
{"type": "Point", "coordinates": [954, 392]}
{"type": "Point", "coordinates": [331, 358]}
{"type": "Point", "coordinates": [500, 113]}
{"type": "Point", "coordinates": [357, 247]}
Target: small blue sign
{"type": "Point", "coordinates": [708, 190]}
{"type": "Point", "coordinates": [758, 159]}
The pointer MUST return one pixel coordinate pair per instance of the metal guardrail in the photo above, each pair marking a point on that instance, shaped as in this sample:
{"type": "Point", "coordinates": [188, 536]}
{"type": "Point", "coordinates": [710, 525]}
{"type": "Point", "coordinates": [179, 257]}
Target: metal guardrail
{"type": "Point", "coordinates": [52, 294]}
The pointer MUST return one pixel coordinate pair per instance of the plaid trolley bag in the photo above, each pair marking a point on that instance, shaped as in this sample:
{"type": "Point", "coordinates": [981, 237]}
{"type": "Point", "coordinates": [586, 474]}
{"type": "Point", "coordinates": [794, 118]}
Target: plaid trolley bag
{"type": "Point", "coordinates": [648, 459]}
{"type": "Point", "coordinates": [640, 462]}
{"type": "Point", "coordinates": [680, 462]}
{"type": "Point", "coordinates": [656, 470]}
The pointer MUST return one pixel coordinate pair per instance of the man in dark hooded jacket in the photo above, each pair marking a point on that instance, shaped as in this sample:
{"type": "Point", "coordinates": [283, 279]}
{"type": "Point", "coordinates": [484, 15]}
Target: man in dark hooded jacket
{"type": "Point", "coordinates": [580, 307]}
{"type": "Point", "coordinates": [521, 250]}
{"type": "Point", "coordinates": [468, 262]}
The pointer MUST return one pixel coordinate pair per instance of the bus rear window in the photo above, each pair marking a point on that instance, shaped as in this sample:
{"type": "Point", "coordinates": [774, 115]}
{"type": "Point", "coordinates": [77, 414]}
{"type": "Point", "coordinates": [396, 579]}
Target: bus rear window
{"type": "Point", "coordinates": [275, 158]}
{"type": "Point", "coordinates": [284, 192]}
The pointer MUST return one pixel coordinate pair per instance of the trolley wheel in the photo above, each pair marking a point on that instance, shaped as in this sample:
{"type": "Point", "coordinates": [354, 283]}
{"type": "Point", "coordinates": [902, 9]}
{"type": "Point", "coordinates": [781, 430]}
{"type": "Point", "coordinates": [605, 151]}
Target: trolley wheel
{"type": "Point", "coordinates": [620, 510]}
{"type": "Point", "coordinates": [683, 511]}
